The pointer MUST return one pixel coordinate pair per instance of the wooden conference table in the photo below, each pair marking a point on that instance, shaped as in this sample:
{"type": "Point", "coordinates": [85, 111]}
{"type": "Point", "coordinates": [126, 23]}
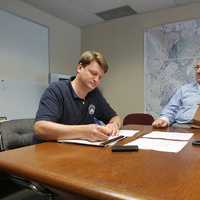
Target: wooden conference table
{"type": "Point", "coordinates": [97, 173]}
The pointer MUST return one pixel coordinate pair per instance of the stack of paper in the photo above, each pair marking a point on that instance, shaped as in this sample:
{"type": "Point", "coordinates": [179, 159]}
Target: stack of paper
{"type": "Point", "coordinates": [163, 141]}
{"type": "Point", "coordinates": [169, 135]}
{"type": "Point", "coordinates": [125, 133]}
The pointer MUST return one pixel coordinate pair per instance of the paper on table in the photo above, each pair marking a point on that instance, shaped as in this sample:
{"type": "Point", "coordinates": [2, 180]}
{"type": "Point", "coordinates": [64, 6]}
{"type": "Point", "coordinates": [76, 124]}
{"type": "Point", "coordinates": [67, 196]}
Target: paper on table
{"type": "Point", "coordinates": [86, 142]}
{"type": "Point", "coordinates": [169, 135]}
{"type": "Point", "coordinates": [126, 133]}
{"type": "Point", "coordinates": [159, 144]}
{"type": "Point", "coordinates": [77, 141]}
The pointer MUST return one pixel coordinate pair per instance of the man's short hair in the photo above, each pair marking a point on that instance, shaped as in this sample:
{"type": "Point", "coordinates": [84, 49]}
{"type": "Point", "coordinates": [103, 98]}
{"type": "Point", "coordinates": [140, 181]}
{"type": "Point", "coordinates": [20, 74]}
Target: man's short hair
{"type": "Point", "coordinates": [89, 56]}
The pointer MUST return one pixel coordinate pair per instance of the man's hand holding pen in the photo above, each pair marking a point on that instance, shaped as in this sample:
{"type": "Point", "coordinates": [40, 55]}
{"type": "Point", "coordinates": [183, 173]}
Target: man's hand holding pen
{"type": "Point", "coordinates": [113, 128]}
{"type": "Point", "coordinates": [97, 132]}
{"type": "Point", "coordinates": [103, 132]}
{"type": "Point", "coordinates": [100, 131]}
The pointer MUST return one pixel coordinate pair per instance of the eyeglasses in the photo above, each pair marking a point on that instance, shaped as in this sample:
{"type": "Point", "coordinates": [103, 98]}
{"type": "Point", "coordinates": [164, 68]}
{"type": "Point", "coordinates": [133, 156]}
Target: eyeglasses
{"type": "Point", "coordinates": [197, 67]}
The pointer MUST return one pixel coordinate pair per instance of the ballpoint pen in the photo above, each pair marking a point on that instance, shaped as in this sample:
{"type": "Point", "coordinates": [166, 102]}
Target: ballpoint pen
{"type": "Point", "coordinates": [99, 122]}
{"type": "Point", "coordinates": [116, 141]}
{"type": "Point", "coordinates": [120, 137]}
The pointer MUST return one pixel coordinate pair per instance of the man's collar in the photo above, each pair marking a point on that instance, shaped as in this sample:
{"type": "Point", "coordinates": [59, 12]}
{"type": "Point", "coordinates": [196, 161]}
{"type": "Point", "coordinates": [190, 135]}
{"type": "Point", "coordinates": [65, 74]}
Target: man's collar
{"type": "Point", "coordinates": [198, 85]}
{"type": "Point", "coordinates": [74, 95]}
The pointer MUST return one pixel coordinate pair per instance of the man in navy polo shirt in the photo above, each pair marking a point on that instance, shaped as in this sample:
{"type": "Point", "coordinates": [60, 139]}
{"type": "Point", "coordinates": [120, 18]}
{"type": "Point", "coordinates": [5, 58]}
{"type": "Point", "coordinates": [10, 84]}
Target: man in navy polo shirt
{"type": "Point", "coordinates": [74, 109]}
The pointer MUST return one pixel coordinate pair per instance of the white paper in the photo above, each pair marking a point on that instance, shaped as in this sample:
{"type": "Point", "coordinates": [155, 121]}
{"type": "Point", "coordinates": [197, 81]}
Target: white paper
{"type": "Point", "coordinates": [169, 135]}
{"type": "Point", "coordinates": [159, 144]}
{"type": "Point", "coordinates": [126, 133]}
{"type": "Point", "coordinates": [77, 141]}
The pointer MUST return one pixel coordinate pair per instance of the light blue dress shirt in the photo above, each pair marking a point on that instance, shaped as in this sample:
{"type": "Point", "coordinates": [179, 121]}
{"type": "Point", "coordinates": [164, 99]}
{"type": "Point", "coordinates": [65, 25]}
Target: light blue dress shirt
{"type": "Point", "coordinates": [182, 106]}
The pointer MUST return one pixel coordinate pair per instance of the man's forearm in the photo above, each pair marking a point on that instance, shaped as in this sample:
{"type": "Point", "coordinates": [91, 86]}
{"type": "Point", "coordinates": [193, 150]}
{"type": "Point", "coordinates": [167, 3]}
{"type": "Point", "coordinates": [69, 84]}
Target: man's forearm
{"type": "Point", "coordinates": [47, 130]}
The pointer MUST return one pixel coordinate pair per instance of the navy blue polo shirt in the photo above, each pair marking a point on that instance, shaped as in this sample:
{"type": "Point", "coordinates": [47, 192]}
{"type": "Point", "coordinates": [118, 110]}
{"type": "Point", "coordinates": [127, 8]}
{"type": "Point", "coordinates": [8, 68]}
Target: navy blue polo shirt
{"type": "Point", "coordinates": [60, 104]}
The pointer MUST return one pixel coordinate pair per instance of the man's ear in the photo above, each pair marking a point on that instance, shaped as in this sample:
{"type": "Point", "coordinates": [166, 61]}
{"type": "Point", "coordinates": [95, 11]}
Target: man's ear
{"type": "Point", "coordinates": [79, 66]}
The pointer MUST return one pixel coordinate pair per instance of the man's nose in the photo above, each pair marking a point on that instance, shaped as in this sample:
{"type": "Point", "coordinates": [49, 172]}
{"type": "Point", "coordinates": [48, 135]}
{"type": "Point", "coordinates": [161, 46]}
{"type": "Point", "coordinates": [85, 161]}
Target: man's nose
{"type": "Point", "coordinates": [97, 79]}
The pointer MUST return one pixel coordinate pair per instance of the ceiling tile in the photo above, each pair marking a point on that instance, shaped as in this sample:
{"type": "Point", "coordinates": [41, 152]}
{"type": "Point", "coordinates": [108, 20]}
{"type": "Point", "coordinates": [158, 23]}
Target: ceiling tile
{"type": "Point", "coordinates": [82, 12]}
{"type": "Point", "coordinates": [184, 2]}
{"type": "Point", "coordinates": [142, 6]}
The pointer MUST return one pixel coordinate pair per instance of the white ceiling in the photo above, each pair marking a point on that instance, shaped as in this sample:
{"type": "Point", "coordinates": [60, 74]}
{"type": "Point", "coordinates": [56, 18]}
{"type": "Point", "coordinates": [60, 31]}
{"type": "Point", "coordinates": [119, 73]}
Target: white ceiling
{"type": "Point", "coordinates": [82, 12]}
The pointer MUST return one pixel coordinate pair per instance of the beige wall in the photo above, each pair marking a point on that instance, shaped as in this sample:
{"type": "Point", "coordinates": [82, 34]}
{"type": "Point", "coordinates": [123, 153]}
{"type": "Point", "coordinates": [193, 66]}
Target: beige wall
{"type": "Point", "coordinates": [64, 38]}
{"type": "Point", "coordinates": [122, 42]}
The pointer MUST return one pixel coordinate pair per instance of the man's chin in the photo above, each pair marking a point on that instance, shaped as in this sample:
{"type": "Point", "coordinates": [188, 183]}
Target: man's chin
{"type": "Point", "coordinates": [91, 87]}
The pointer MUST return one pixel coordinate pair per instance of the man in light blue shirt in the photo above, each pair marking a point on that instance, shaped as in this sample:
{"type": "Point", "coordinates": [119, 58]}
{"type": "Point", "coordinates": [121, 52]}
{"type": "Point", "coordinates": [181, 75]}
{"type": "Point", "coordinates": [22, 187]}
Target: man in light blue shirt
{"type": "Point", "coordinates": [183, 105]}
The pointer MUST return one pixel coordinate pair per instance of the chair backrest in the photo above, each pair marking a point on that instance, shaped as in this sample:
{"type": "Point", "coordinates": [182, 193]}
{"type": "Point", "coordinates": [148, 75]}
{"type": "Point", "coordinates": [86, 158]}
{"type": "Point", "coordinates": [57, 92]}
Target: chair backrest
{"type": "Point", "coordinates": [138, 118]}
{"type": "Point", "coordinates": [16, 133]}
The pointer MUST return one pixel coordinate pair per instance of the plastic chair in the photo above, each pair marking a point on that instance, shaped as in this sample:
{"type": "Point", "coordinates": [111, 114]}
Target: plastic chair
{"type": "Point", "coordinates": [138, 118]}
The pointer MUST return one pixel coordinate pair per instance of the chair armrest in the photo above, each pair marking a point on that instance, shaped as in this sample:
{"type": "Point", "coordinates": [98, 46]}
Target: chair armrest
{"type": "Point", "coordinates": [1, 143]}
{"type": "Point", "coordinates": [33, 186]}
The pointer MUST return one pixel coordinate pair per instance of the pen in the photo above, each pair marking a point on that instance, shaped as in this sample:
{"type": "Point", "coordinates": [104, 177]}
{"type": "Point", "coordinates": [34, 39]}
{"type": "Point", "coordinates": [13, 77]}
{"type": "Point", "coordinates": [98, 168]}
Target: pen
{"type": "Point", "coordinates": [99, 122]}
{"type": "Point", "coordinates": [120, 137]}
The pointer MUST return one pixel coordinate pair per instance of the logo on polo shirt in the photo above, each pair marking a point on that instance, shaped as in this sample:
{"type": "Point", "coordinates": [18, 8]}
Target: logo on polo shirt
{"type": "Point", "coordinates": [91, 109]}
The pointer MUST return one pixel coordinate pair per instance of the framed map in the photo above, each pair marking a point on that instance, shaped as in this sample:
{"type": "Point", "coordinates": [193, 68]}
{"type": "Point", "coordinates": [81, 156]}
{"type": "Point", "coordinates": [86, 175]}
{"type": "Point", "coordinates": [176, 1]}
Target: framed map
{"type": "Point", "coordinates": [170, 52]}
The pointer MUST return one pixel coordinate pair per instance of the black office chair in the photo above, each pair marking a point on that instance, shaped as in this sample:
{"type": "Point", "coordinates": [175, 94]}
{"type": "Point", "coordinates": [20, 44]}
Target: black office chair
{"type": "Point", "coordinates": [14, 134]}
{"type": "Point", "coordinates": [138, 118]}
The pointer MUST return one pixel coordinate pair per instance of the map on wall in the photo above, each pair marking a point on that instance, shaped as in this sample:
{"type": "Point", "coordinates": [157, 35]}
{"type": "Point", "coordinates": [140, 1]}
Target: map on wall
{"type": "Point", "coordinates": [170, 53]}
